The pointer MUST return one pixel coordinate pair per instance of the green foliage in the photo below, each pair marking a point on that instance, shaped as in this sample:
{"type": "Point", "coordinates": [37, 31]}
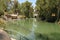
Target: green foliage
{"type": "Point", "coordinates": [3, 6]}
{"type": "Point", "coordinates": [1, 12]}
{"type": "Point", "coordinates": [27, 9]}
{"type": "Point", "coordinates": [2, 23]}
{"type": "Point", "coordinates": [10, 12]}
{"type": "Point", "coordinates": [47, 7]}
{"type": "Point", "coordinates": [15, 7]}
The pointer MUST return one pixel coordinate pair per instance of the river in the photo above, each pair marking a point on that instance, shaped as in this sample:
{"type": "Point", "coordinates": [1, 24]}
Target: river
{"type": "Point", "coordinates": [31, 29]}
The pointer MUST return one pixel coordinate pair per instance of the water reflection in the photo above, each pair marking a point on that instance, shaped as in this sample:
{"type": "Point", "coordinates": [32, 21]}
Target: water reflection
{"type": "Point", "coordinates": [29, 28]}
{"type": "Point", "coordinates": [24, 25]}
{"type": "Point", "coordinates": [32, 34]}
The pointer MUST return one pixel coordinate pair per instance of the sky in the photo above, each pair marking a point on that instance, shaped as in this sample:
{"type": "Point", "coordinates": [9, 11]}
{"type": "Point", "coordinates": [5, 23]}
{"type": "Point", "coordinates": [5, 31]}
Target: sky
{"type": "Point", "coordinates": [33, 1]}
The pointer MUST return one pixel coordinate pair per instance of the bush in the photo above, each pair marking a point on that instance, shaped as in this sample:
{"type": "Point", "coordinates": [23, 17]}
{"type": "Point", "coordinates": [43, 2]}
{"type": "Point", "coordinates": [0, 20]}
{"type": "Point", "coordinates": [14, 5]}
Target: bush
{"type": "Point", "coordinates": [1, 13]}
{"type": "Point", "coordinates": [2, 23]}
{"type": "Point", "coordinates": [10, 12]}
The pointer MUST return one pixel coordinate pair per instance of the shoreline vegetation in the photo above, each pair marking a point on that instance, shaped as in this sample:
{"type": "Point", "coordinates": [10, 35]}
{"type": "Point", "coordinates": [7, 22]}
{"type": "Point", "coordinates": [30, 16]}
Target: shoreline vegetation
{"type": "Point", "coordinates": [44, 10]}
{"type": "Point", "coordinates": [15, 16]}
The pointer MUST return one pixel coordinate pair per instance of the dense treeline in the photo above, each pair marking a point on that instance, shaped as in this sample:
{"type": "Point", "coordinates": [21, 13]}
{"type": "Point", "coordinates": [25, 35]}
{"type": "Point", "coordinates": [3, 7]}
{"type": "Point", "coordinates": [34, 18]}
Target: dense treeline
{"type": "Point", "coordinates": [15, 7]}
{"type": "Point", "coordinates": [48, 10]}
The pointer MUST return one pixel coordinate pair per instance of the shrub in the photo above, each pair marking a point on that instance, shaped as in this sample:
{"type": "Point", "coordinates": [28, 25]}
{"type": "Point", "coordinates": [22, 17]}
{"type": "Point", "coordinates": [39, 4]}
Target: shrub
{"type": "Point", "coordinates": [1, 13]}
{"type": "Point", "coordinates": [2, 23]}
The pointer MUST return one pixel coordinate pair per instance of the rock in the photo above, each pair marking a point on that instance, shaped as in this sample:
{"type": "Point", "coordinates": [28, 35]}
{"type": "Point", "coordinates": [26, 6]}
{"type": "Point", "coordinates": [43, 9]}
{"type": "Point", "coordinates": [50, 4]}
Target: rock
{"type": "Point", "coordinates": [13, 39]}
{"type": "Point", "coordinates": [4, 35]}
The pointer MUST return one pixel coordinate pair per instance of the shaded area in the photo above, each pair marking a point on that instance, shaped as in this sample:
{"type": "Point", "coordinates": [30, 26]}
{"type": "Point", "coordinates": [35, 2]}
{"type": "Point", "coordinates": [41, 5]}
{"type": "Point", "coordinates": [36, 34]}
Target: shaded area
{"type": "Point", "coordinates": [52, 36]}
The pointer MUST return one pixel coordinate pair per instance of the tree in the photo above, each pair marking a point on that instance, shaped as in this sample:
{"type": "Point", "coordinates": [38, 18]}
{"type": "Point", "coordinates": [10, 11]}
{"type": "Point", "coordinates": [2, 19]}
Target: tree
{"type": "Point", "coordinates": [27, 9]}
{"type": "Point", "coordinates": [41, 6]}
{"type": "Point", "coordinates": [48, 7]}
{"type": "Point", "coordinates": [3, 6]}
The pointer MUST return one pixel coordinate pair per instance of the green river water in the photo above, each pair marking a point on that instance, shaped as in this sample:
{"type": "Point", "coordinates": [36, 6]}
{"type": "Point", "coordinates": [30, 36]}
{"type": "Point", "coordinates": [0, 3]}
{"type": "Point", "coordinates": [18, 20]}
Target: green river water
{"type": "Point", "coordinates": [31, 29]}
